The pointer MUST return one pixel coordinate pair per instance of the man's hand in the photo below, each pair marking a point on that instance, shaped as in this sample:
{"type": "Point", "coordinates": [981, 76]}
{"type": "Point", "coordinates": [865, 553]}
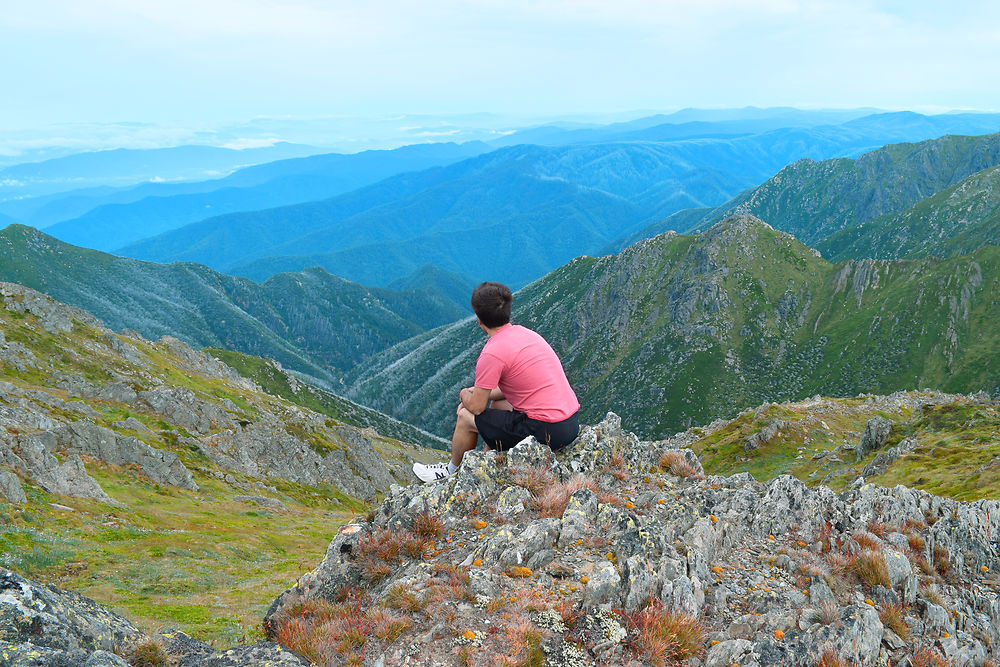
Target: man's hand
{"type": "Point", "coordinates": [474, 399]}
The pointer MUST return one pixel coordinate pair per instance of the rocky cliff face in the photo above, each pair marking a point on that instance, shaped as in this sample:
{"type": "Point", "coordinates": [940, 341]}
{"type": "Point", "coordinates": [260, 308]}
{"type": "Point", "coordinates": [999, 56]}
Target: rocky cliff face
{"type": "Point", "coordinates": [584, 556]}
{"type": "Point", "coordinates": [78, 392]}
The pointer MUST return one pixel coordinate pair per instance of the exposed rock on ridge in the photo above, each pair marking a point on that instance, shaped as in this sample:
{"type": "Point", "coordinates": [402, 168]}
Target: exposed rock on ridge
{"type": "Point", "coordinates": [769, 569]}
{"type": "Point", "coordinates": [72, 380]}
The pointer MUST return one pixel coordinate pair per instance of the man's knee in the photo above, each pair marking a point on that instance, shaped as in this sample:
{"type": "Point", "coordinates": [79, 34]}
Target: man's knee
{"type": "Point", "coordinates": [466, 420]}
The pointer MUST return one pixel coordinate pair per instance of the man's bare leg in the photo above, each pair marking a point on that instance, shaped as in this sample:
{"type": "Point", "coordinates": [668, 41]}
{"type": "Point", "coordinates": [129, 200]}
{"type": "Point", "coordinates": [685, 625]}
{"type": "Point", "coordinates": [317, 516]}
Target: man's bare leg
{"type": "Point", "coordinates": [465, 436]}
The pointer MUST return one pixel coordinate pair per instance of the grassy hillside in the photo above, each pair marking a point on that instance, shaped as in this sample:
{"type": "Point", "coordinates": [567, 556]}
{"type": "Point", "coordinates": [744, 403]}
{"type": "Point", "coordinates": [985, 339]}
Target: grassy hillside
{"type": "Point", "coordinates": [206, 559]}
{"type": "Point", "coordinates": [954, 454]}
{"type": "Point", "coordinates": [311, 322]}
{"type": "Point", "coordinates": [679, 330]}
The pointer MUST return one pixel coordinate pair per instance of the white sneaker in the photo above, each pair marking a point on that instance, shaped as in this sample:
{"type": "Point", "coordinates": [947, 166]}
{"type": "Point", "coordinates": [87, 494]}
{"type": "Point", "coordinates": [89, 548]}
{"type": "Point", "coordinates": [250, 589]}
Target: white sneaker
{"type": "Point", "coordinates": [430, 472]}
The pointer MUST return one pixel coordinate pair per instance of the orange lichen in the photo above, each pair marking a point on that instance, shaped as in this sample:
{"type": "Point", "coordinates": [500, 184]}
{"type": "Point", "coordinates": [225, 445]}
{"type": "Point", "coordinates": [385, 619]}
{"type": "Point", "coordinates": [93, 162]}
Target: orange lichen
{"type": "Point", "coordinates": [519, 571]}
{"type": "Point", "coordinates": [479, 524]}
{"type": "Point", "coordinates": [779, 635]}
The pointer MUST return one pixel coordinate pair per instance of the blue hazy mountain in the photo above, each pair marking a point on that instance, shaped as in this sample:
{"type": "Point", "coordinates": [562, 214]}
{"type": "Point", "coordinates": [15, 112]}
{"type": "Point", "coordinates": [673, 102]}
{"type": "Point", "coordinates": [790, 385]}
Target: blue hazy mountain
{"type": "Point", "coordinates": [152, 209]}
{"type": "Point", "coordinates": [521, 211]}
{"type": "Point", "coordinates": [683, 124]}
{"type": "Point", "coordinates": [124, 167]}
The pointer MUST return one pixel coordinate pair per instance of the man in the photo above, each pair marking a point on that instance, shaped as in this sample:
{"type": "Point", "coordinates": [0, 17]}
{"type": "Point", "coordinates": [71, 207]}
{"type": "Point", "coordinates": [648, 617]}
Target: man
{"type": "Point", "coordinates": [520, 389]}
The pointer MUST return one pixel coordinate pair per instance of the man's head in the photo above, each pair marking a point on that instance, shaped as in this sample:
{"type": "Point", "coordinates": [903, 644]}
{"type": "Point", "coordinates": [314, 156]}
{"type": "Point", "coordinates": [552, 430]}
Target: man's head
{"type": "Point", "coordinates": [491, 302]}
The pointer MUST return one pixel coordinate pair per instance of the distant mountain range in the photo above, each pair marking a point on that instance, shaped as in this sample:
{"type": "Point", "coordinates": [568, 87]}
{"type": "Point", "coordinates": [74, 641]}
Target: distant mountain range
{"type": "Point", "coordinates": [691, 328]}
{"type": "Point", "coordinates": [125, 167]}
{"type": "Point", "coordinates": [151, 209]}
{"type": "Point", "coordinates": [311, 322]}
{"type": "Point", "coordinates": [519, 212]}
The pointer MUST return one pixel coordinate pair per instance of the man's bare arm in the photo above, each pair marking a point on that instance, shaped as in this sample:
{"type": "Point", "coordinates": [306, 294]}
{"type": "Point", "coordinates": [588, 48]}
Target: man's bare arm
{"type": "Point", "coordinates": [475, 399]}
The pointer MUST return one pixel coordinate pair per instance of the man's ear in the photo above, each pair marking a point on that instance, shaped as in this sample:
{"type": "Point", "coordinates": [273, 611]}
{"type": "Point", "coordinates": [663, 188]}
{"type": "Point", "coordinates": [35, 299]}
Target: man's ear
{"type": "Point", "coordinates": [481, 325]}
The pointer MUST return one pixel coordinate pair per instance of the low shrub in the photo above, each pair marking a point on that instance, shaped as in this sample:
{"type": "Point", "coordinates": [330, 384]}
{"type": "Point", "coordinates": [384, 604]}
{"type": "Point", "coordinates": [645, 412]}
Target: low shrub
{"type": "Point", "coordinates": [893, 617]}
{"type": "Point", "coordinates": [663, 637]}
{"type": "Point", "coordinates": [870, 568]}
{"type": "Point", "coordinates": [676, 464]}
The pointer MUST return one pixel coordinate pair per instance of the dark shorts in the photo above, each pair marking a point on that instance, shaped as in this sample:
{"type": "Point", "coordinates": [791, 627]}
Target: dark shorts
{"type": "Point", "coordinates": [502, 429]}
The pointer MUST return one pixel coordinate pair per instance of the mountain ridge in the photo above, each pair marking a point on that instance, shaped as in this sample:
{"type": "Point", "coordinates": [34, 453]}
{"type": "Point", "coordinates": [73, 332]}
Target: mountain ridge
{"type": "Point", "coordinates": [696, 326]}
{"type": "Point", "coordinates": [311, 322]}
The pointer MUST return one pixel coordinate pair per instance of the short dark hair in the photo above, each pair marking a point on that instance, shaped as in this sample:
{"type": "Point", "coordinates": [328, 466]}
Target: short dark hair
{"type": "Point", "coordinates": [491, 302]}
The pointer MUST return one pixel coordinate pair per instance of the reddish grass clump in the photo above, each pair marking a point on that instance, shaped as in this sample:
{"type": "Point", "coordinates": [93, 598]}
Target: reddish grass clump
{"type": "Point", "coordinates": [533, 479]}
{"type": "Point", "coordinates": [928, 657]}
{"type": "Point", "coordinates": [831, 659]}
{"type": "Point", "coordinates": [870, 567]}
{"type": "Point", "coordinates": [678, 465]}
{"type": "Point", "coordinates": [318, 630]}
{"type": "Point", "coordinates": [868, 541]}
{"type": "Point", "coordinates": [551, 501]}
{"type": "Point", "coordinates": [877, 528]}
{"type": "Point", "coordinates": [663, 637]}
{"type": "Point", "coordinates": [427, 526]}
{"type": "Point", "coordinates": [942, 560]}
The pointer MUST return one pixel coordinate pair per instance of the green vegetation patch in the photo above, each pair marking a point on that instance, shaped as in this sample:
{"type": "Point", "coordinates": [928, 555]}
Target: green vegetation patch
{"type": "Point", "coordinates": [197, 560]}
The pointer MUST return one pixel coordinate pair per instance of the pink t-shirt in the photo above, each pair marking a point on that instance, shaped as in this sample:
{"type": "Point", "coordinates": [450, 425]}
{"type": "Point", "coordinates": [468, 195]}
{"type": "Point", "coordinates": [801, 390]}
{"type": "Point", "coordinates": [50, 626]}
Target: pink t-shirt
{"type": "Point", "coordinates": [528, 372]}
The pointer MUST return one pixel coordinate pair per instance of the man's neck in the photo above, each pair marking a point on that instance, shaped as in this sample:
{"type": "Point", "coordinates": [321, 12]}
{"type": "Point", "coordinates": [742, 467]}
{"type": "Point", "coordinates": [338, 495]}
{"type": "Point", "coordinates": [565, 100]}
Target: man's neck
{"type": "Point", "coordinates": [492, 332]}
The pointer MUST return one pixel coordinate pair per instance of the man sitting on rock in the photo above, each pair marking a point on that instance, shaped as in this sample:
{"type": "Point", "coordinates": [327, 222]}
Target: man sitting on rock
{"type": "Point", "coordinates": [520, 389]}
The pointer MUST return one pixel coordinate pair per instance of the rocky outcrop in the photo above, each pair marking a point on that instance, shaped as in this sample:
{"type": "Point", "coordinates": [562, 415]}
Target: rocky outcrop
{"type": "Point", "coordinates": [37, 620]}
{"type": "Point", "coordinates": [877, 432]}
{"type": "Point", "coordinates": [31, 456]}
{"type": "Point", "coordinates": [10, 488]}
{"type": "Point", "coordinates": [775, 573]}
{"type": "Point", "coordinates": [162, 467]}
{"type": "Point", "coordinates": [44, 626]}
{"type": "Point", "coordinates": [80, 390]}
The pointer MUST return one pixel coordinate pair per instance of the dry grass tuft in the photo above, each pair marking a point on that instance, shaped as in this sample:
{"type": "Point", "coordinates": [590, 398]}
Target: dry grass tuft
{"type": "Point", "coordinates": [148, 653]}
{"type": "Point", "coordinates": [533, 479]}
{"type": "Point", "coordinates": [869, 566]}
{"type": "Point", "coordinates": [523, 641]}
{"type": "Point", "coordinates": [877, 528]}
{"type": "Point", "coordinates": [831, 659]}
{"type": "Point", "coordinates": [942, 560]}
{"type": "Point", "coordinates": [427, 526]}
{"type": "Point", "coordinates": [402, 598]}
{"type": "Point", "coordinates": [552, 500]}
{"type": "Point", "coordinates": [916, 542]}
{"type": "Point", "coordinates": [662, 637]}
{"type": "Point", "coordinates": [867, 540]}
{"type": "Point", "coordinates": [928, 657]}
{"type": "Point", "coordinates": [319, 630]}
{"type": "Point", "coordinates": [676, 464]}
{"type": "Point", "coordinates": [893, 617]}
{"type": "Point", "coordinates": [825, 613]}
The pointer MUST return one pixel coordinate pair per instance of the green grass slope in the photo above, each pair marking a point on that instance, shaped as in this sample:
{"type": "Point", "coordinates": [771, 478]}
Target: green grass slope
{"type": "Point", "coordinates": [955, 453]}
{"type": "Point", "coordinates": [679, 330]}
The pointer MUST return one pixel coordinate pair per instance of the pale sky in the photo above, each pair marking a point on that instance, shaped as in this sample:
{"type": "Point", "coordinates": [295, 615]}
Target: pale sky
{"type": "Point", "coordinates": [211, 61]}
